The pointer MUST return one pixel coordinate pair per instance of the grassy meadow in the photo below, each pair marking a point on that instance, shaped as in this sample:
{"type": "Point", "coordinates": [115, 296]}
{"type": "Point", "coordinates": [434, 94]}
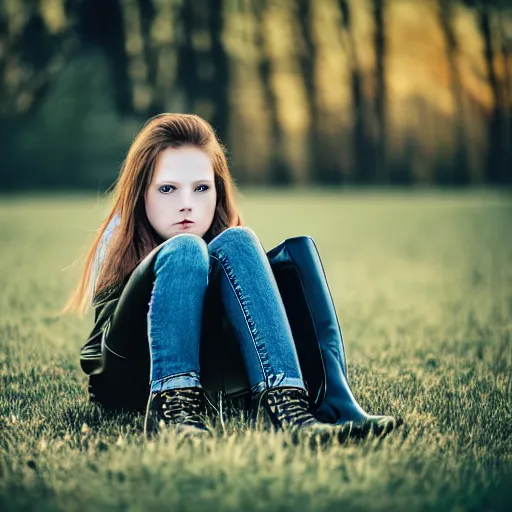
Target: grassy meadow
{"type": "Point", "coordinates": [422, 284]}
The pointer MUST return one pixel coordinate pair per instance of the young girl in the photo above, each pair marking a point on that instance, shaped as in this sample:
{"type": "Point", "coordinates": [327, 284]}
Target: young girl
{"type": "Point", "coordinates": [150, 274]}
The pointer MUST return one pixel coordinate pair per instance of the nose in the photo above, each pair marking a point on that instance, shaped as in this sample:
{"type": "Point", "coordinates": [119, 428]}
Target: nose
{"type": "Point", "coordinates": [186, 202]}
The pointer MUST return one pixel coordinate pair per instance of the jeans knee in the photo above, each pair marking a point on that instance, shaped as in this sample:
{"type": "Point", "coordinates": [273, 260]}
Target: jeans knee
{"type": "Point", "coordinates": [235, 235]}
{"type": "Point", "coordinates": [184, 250]}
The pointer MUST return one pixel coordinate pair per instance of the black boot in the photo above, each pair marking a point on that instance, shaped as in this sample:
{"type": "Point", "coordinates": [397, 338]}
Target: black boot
{"type": "Point", "coordinates": [287, 409]}
{"type": "Point", "coordinates": [303, 286]}
{"type": "Point", "coordinates": [183, 410]}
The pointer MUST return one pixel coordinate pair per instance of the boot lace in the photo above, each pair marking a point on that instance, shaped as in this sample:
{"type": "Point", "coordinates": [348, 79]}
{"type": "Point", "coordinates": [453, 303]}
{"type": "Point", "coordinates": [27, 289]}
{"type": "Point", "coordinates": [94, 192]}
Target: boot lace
{"type": "Point", "coordinates": [290, 406]}
{"type": "Point", "coordinates": [184, 406]}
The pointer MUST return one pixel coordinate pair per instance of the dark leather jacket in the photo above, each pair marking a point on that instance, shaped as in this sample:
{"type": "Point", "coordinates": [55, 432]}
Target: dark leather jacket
{"type": "Point", "coordinates": [92, 353]}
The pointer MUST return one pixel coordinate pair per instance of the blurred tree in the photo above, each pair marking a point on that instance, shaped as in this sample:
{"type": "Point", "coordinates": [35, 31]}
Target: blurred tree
{"type": "Point", "coordinates": [363, 144]}
{"type": "Point", "coordinates": [505, 33]}
{"type": "Point", "coordinates": [317, 98]}
{"type": "Point", "coordinates": [499, 155]}
{"type": "Point", "coordinates": [459, 174]}
{"type": "Point", "coordinates": [27, 71]}
{"type": "Point", "coordinates": [188, 66]}
{"type": "Point", "coordinates": [324, 153]}
{"type": "Point", "coordinates": [203, 70]}
{"type": "Point", "coordinates": [280, 168]}
{"type": "Point", "coordinates": [219, 83]}
{"type": "Point", "coordinates": [100, 25]}
{"type": "Point", "coordinates": [379, 16]}
{"type": "Point", "coordinates": [307, 60]}
{"type": "Point", "coordinates": [148, 13]}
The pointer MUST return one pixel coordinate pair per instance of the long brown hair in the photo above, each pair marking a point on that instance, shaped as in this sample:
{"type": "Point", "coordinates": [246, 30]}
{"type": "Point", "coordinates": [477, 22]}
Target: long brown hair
{"type": "Point", "coordinates": [135, 237]}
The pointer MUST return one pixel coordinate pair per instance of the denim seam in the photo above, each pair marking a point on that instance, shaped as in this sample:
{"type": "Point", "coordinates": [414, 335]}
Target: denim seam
{"type": "Point", "coordinates": [148, 326]}
{"type": "Point", "coordinates": [293, 382]}
{"type": "Point", "coordinates": [192, 374]}
{"type": "Point", "coordinates": [261, 350]}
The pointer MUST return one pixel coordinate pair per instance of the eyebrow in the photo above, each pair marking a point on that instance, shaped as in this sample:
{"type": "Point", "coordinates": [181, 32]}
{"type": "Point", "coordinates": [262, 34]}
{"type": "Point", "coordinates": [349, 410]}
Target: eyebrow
{"type": "Point", "coordinates": [171, 182]}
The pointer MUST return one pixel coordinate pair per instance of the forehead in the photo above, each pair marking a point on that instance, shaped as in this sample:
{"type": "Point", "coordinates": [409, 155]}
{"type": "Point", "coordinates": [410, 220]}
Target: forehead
{"type": "Point", "coordinates": [187, 163]}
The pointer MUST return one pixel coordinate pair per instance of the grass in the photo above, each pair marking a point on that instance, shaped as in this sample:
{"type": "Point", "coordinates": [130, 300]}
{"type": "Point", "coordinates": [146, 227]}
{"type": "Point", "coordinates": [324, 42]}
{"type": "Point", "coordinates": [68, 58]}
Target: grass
{"type": "Point", "coordinates": [422, 283]}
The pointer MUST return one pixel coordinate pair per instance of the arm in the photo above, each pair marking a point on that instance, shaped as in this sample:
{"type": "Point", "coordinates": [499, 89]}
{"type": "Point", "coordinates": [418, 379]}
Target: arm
{"type": "Point", "coordinates": [91, 358]}
{"type": "Point", "coordinates": [92, 353]}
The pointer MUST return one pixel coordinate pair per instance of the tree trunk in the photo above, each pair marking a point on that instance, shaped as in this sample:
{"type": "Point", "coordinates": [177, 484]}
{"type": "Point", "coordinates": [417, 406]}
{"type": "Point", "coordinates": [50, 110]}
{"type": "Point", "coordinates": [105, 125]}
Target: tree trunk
{"type": "Point", "coordinates": [324, 156]}
{"type": "Point", "coordinates": [147, 14]}
{"type": "Point", "coordinates": [187, 59]}
{"type": "Point", "coordinates": [220, 82]}
{"type": "Point", "coordinates": [380, 104]}
{"type": "Point", "coordinates": [496, 166]}
{"type": "Point", "coordinates": [280, 169]}
{"type": "Point", "coordinates": [459, 167]}
{"type": "Point", "coordinates": [507, 102]}
{"type": "Point", "coordinates": [102, 24]}
{"type": "Point", "coordinates": [363, 147]}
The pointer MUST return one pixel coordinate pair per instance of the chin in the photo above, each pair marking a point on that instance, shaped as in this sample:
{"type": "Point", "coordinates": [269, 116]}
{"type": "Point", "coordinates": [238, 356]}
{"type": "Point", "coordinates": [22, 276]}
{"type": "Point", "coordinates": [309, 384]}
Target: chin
{"type": "Point", "coordinates": [181, 232]}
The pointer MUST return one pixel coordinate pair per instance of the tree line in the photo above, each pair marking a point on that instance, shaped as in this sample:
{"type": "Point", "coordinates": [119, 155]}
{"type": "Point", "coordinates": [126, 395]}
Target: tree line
{"type": "Point", "coordinates": [301, 91]}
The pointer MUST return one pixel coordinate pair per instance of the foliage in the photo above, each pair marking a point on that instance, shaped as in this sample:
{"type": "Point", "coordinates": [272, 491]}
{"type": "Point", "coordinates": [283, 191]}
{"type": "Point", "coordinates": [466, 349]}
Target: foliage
{"type": "Point", "coordinates": [314, 91]}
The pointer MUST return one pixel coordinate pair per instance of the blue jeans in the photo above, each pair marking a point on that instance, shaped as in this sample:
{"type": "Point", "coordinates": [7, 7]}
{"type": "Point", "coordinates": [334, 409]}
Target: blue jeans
{"type": "Point", "coordinates": [251, 300]}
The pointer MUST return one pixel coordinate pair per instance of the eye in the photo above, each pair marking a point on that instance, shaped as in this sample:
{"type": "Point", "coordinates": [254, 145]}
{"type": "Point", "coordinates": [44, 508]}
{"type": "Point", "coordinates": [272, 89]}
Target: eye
{"type": "Point", "coordinates": [205, 189]}
{"type": "Point", "coordinates": [167, 188]}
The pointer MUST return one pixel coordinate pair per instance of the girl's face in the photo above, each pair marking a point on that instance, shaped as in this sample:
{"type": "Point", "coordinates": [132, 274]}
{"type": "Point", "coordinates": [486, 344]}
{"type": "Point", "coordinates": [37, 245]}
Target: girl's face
{"type": "Point", "coordinates": [182, 187]}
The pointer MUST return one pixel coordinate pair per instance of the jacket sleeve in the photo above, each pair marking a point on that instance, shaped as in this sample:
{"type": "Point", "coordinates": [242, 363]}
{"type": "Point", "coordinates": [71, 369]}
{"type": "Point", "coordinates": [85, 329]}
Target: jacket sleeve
{"type": "Point", "coordinates": [92, 353]}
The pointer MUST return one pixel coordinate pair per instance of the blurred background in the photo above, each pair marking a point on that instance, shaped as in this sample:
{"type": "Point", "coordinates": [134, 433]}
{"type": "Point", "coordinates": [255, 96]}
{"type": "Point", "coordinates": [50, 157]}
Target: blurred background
{"type": "Point", "coordinates": [377, 92]}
